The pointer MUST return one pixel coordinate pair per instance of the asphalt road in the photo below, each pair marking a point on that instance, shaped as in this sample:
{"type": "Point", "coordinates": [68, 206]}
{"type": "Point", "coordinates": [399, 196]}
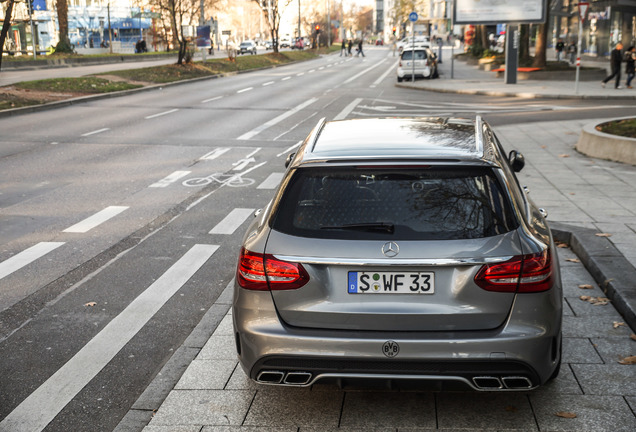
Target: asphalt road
{"type": "Point", "coordinates": [114, 236]}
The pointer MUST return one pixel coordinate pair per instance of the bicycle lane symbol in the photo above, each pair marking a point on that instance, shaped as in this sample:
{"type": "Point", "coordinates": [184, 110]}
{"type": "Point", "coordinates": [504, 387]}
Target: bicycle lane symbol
{"type": "Point", "coordinates": [232, 180]}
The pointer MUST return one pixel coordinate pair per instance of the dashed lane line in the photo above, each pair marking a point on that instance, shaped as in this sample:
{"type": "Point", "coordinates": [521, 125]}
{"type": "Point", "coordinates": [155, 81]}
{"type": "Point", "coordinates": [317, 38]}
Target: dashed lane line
{"type": "Point", "coordinates": [97, 219]}
{"type": "Point", "coordinates": [95, 132]}
{"type": "Point", "coordinates": [276, 120]}
{"type": "Point", "coordinates": [170, 179]}
{"type": "Point", "coordinates": [26, 257]}
{"type": "Point", "coordinates": [232, 221]}
{"type": "Point", "coordinates": [161, 114]}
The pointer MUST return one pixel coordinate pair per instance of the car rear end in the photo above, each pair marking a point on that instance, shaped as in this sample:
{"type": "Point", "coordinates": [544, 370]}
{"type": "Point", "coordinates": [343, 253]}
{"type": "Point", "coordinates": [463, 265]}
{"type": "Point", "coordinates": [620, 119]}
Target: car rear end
{"type": "Point", "coordinates": [400, 271]}
{"type": "Point", "coordinates": [414, 63]}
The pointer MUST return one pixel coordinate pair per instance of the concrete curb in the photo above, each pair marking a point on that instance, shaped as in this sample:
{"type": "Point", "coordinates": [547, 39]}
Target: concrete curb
{"type": "Point", "coordinates": [610, 269]}
{"type": "Point", "coordinates": [597, 144]}
{"type": "Point", "coordinates": [520, 94]}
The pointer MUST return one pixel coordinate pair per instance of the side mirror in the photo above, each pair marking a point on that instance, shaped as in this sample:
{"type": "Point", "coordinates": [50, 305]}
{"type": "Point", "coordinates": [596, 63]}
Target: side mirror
{"type": "Point", "coordinates": [289, 159]}
{"type": "Point", "coordinates": [516, 160]}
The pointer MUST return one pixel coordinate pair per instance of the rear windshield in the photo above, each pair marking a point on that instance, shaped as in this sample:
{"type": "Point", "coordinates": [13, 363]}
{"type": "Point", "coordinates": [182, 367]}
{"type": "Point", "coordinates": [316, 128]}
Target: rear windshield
{"type": "Point", "coordinates": [419, 55]}
{"type": "Point", "coordinates": [394, 203]}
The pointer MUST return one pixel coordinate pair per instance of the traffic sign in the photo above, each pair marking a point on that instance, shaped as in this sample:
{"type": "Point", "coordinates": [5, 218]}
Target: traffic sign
{"type": "Point", "coordinates": [413, 16]}
{"type": "Point", "coordinates": [583, 8]}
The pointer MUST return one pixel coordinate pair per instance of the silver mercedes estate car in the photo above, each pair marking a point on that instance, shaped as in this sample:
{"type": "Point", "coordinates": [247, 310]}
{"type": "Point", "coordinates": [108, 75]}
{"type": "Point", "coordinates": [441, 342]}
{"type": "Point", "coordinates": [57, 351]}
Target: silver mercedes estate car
{"type": "Point", "coordinates": [400, 251]}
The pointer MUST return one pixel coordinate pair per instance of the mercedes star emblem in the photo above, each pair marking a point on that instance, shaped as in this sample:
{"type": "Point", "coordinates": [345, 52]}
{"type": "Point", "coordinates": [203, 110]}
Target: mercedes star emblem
{"type": "Point", "coordinates": [390, 249]}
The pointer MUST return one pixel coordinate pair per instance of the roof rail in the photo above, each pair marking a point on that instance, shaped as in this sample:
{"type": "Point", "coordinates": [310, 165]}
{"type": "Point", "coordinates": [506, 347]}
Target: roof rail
{"type": "Point", "coordinates": [479, 131]}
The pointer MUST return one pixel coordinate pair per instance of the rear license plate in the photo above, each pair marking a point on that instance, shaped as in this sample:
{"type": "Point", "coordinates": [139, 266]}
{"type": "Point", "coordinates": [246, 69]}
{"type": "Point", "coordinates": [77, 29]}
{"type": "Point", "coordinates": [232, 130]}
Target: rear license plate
{"type": "Point", "coordinates": [391, 283]}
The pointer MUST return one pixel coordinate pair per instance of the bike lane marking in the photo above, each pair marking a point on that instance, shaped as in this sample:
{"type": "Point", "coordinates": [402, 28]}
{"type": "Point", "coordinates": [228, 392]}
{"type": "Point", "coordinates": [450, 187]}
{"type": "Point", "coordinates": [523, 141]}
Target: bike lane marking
{"type": "Point", "coordinates": [345, 112]}
{"type": "Point", "coordinates": [26, 257]}
{"type": "Point", "coordinates": [232, 221]}
{"type": "Point", "coordinates": [97, 219]}
{"type": "Point", "coordinates": [48, 400]}
{"type": "Point", "coordinates": [215, 153]}
{"type": "Point", "coordinates": [276, 120]}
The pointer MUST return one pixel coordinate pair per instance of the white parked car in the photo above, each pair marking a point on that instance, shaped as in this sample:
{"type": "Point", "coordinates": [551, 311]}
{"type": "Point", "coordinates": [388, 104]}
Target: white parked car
{"type": "Point", "coordinates": [408, 42]}
{"type": "Point", "coordinates": [425, 63]}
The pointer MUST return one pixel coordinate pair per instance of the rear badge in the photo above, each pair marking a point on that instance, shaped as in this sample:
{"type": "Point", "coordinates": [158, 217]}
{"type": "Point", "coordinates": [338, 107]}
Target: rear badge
{"type": "Point", "coordinates": [390, 249]}
{"type": "Point", "coordinates": [390, 349]}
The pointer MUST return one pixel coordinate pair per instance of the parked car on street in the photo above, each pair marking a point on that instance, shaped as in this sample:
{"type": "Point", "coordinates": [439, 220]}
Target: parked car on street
{"type": "Point", "coordinates": [299, 44]}
{"type": "Point", "coordinates": [284, 42]}
{"type": "Point", "coordinates": [425, 64]}
{"type": "Point", "coordinates": [401, 251]}
{"type": "Point", "coordinates": [409, 42]}
{"type": "Point", "coordinates": [269, 45]}
{"type": "Point", "coordinates": [246, 47]}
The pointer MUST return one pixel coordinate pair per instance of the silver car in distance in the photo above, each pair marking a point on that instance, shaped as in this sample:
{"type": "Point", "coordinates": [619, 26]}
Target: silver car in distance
{"type": "Point", "coordinates": [400, 251]}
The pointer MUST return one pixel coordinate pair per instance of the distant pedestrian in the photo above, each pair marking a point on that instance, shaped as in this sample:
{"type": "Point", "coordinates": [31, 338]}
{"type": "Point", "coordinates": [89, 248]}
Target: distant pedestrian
{"type": "Point", "coordinates": [343, 48]}
{"type": "Point", "coordinates": [572, 53]}
{"type": "Point", "coordinates": [630, 70]}
{"type": "Point", "coordinates": [359, 50]}
{"type": "Point", "coordinates": [349, 46]}
{"type": "Point", "coordinates": [211, 50]}
{"type": "Point", "coordinates": [560, 46]}
{"type": "Point", "coordinates": [616, 58]}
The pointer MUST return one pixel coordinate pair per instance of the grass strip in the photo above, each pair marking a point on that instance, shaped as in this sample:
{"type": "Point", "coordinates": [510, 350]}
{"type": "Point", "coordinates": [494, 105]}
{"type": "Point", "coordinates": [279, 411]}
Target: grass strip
{"type": "Point", "coordinates": [625, 128]}
{"type": "Point", "coordinates": [86, 85]}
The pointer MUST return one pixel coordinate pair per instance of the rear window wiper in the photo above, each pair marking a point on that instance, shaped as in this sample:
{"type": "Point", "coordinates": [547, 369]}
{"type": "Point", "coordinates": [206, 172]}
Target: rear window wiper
{"type": "Point", "coordinates": [367, 226]}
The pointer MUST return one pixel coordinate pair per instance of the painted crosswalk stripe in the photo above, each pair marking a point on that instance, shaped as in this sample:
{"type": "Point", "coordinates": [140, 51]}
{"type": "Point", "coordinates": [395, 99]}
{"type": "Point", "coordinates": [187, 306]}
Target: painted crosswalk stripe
{"type": "Point", "coordinates": [46, 402]}
{"type": "Point", "coordinates": [97, 219]}
{"type": "Point", "coordinates": [232, 221]}
{"type": "Point", "coordinates": [276, 120]}
{"type": "Point", "coordinates": [26, 257]}
{"type": "Point", "coordinates": [168, 180]}
{"type": "Point", "coordinates": [272, 181]}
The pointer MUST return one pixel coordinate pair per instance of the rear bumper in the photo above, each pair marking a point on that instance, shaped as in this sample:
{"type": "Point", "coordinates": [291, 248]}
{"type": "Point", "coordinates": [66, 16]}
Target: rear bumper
{"type": "Point", "coordinates": [520, 355]}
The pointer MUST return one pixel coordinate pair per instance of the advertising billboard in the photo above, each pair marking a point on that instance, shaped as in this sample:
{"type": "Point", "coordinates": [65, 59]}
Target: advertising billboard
{"type": "Point", "coordinates": [498, 11]}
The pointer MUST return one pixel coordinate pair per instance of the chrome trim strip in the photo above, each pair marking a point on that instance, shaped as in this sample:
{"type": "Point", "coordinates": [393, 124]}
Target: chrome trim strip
{"type": "Point", "coordinates": [439, 262]}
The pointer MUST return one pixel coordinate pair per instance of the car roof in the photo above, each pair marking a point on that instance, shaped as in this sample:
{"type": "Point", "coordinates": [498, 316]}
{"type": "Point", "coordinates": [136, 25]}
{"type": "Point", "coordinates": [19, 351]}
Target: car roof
{"type": "Point", "coordinates": [433, 139]}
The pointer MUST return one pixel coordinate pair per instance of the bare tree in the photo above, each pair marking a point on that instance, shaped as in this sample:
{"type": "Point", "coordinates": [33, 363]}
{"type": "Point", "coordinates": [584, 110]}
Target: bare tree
{"type": "Point", "coordinates": [272, 12]}
{"type": "Point", "coordinates": [178, 11]}
{"type": "Point", "coordinates": [5, 26]}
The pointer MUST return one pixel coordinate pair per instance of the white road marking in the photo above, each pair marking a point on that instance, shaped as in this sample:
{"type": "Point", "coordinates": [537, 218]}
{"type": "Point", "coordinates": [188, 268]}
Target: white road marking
{"type": "Point", "coordinates": [172, 178]}
{"type": "Point", "coordinates": [46, 402]}
{"type": "Point", "coordinates": [26, 257]}
{"type": "Point", "coordinates": [276, 138]}
{"type": "Point", "coordinates": [287, 150]}
{"type": "Point", "coordinates": [379, 80]}
{"type": "Point", "coordinates": [211, 99]}
{"type": "Point", "coordinates": [245, 90]}
{"type": "Point", "coordinates": [276, 120]}
{"type": "Point", "coordinates": [161, 114]}
{"type": "Point", "coordinates": [232, 221]}
{"type": "Point", "coordinates": [358, 75]}
{"type": "Point", "coordinates": [215, 153]}
{"type": "Point", "coordinates": [312, 71]}
{"type": "Point", "coordinates": [268, 83]}
{"type": "Point", "coordinates": [272, 181]}
{"type": "Point", "coordinates": [256, 150]}
{"type": "Point", "coordinates": [95, 132]}
{"type": "Point", "coordinates": [300, 74]}
{"type": "Point", "coordinates": [345, 112]}
{"type": "Point", "coordinates": [95, 220]}
{"type": "Point", "coordinates": [286, 78]}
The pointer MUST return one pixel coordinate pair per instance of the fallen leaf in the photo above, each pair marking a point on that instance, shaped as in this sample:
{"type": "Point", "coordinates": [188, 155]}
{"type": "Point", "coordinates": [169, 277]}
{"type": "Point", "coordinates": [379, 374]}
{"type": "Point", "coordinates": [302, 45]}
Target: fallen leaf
{"type": "Point", "coordinates": [603, 235]}
{"type": "Point", "coordinates": [618, 324]}
{"type": "Point", "coordinates": [572, 193]}
{"type": "Point", "coordinates": [586, 286]}
{"type": "Point", "coordinates": [544, 146]}
{"type": "Point", "coordinates": [91, 304]}
{"type": "Point", "coordinates": [566, 414]}
{"type": "Point", "coordinates": [585, 298]}
{"type": "Point", "coordinates": [563, 245]}
{"type": "Point", "coordinates": [633, 336]}
{"type": "Point", "coordinates": [599, 301]}
{"type": "Point", "coordinates": [564, 155]}
{"type": "Point", "coordinates": [573, 260]}
{"type": "Point", "coordinates": [628, 360]}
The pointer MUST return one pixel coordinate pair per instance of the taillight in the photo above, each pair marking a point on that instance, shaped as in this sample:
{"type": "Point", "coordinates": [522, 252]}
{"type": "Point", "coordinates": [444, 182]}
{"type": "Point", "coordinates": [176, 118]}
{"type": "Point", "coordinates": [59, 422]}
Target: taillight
{"type": "Point", "coordinates": [264, 272]}
{"type": "Point", "coordinates": [523, 274]}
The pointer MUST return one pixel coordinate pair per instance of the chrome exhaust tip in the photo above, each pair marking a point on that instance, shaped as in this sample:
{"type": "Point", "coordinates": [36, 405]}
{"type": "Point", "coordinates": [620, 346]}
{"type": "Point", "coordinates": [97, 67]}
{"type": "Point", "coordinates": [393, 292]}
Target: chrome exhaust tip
{"type": "Point", "coordinates": [517, 382]}
{"type": "Point", "coordinates": [487, 383]}
{"type": "Point", "coordinates": [270, 377]}
{"type": "Point", "coordinates": [297, 378]}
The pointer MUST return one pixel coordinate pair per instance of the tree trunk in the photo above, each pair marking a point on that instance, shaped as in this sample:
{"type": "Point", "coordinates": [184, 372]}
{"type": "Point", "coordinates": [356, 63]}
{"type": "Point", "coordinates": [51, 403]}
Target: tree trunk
{"type": "Point", "coordinates": [64, 45]}
{"type": "Point", "coordinates": [540, 57]}
{"type": "Point", "coordinates": [5, 28]}
{"type": "Point", "coordinates": [524, 44]}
